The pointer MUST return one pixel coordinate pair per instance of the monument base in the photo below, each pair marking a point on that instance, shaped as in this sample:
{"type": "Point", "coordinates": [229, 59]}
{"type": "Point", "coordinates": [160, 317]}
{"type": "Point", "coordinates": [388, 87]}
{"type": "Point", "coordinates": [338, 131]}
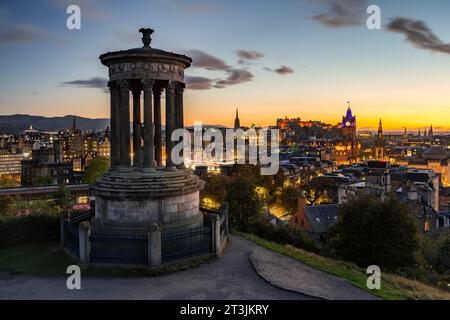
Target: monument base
{"type": "Point", "coordinates": [136, 198]}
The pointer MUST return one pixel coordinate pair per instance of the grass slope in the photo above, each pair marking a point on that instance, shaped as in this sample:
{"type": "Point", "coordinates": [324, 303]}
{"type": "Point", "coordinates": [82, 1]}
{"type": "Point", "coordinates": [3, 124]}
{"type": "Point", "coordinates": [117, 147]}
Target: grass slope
{"type": "Point", "coordinates": [393, 287]}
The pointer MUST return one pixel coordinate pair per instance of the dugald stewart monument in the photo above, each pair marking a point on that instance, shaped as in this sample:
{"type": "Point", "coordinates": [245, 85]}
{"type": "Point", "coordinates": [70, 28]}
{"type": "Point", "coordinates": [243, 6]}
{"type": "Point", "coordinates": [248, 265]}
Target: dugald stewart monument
{"type": "Point", "coordinates": [146, 211]}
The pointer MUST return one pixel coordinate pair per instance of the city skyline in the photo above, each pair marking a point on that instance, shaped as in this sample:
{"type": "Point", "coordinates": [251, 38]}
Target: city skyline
{"type": "Point", "coordinates": [299, 59]}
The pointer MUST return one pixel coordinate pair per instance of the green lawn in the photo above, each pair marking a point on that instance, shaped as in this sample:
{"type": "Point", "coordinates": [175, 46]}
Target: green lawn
{"type": "Point", "coordinates": [46, 259]}
{"type": "Point", "coordinates": [393, 287]}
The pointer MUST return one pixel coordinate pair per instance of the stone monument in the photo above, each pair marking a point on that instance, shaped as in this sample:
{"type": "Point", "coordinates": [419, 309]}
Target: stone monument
{"type": "Point", "coordinates": [140, 189]}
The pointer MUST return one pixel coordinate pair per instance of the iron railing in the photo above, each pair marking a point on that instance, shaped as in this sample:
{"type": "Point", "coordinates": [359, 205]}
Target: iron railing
{"type": "Point", "coordinates": [71, 238]}
{"type": "Point", "coordinates": [178, 244]}
{"type": "Point", "coordinates": [223, 227]}
{"type": "Point", "coordinates": [119, 247]}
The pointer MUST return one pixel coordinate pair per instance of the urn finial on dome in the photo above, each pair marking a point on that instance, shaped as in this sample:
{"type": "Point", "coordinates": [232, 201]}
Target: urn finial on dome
{"type": "Point", "coordinates": [146, 36]}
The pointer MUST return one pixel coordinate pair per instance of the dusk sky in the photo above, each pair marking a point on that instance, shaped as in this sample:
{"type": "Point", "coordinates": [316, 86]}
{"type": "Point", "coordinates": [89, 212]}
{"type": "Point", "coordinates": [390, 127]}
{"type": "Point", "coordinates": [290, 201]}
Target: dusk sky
{"type": "Point", "coordinates": [270, 59]}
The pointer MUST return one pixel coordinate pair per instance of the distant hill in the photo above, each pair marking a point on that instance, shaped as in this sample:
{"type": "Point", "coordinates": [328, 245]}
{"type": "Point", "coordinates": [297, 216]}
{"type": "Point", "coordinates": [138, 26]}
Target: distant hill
{"type": "Point", "coordinates": [19, 122]}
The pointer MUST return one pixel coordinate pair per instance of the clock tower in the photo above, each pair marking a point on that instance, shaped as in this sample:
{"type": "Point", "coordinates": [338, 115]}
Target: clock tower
{"type": "Point", "coordinates": [349, 124]}
{"type": "Point", "coordinates": [348, 148]}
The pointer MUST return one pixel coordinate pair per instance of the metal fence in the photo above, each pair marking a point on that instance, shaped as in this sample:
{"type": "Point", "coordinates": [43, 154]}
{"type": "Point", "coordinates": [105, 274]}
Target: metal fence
{"type": "Point", "coordinates": [223, 227]}
{"type": "Point", "coordinates": [80, 217]}
{"type": "Point", "coordinates": [178, 244]}
{"type": "Point", "coordinates": [119, 247]}
{"type": "Point", "coordinates": [71, 238]}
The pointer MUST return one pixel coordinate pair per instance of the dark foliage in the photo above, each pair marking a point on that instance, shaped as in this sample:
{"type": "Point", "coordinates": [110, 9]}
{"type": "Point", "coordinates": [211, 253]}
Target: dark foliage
{"type": "Point", "coordinates": [374, 232]}
{"type": "Point", "coordinates": [21, 230]}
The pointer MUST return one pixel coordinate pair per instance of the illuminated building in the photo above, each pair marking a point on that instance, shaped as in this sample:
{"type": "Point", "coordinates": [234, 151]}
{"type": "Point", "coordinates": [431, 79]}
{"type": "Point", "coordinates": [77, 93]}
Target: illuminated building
{"type": "Point", "coordinates": [348, 147]}
{"type": "Point", "coordinates": [10, 164]}
{"type": "Point", "coordinates": [380, 144]}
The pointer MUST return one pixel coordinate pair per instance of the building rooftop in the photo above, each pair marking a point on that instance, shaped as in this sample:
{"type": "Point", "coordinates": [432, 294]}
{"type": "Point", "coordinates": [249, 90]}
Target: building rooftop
{"type": "Point", "coordinates": [322, 217]}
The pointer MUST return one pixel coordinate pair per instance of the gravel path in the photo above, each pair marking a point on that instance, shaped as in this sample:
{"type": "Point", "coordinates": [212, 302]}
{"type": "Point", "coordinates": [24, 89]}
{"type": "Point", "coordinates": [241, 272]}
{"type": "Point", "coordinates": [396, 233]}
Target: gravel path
{"type": "Point", "coordinates": [231, 277]}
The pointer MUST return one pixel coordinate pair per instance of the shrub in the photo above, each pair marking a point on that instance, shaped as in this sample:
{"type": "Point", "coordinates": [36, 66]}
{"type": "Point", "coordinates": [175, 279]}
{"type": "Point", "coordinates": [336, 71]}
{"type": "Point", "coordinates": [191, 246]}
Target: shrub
{"type": "Point", "coordinates": [34, 228]}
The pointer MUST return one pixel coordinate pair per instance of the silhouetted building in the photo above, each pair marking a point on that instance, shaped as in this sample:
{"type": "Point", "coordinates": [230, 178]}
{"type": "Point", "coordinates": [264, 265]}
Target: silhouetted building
{"type": "Point", "coordinates": [45, 168]}
{"type": "Point", "coordinates": [237, 122]}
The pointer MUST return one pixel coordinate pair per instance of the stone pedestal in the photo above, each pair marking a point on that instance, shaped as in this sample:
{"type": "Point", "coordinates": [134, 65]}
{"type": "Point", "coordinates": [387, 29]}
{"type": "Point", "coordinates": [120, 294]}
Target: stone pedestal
{"type": "Point", "coordinates": [136, 198]}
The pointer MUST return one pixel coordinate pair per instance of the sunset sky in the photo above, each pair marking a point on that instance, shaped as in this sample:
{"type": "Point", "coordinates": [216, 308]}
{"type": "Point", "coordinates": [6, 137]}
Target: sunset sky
{"type": "Point", "coordinates": [292, 58]}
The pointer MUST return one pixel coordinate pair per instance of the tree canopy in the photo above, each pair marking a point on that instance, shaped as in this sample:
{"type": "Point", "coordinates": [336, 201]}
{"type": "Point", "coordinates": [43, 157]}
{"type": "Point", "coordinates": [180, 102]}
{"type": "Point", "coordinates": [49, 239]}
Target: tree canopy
{"type": "Point", "coordinates": [374, 232]}
{"type": "Point", "coordinates": [96, 168]}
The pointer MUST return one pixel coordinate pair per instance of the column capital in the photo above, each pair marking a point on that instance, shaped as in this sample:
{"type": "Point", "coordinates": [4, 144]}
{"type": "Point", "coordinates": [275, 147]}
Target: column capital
{"type": "Point", "coordinates": [157, 91]}
{"type": "Point", "coordinates": [123, 84]}
{"type": "Point", "coordinates": [179, 89]}
{"type": "Point", "coordinates": [112, 85]}
{"type": "Point", "coordinates": [147, 84]}
{"type": "Point", "coordinates": [170, 88]}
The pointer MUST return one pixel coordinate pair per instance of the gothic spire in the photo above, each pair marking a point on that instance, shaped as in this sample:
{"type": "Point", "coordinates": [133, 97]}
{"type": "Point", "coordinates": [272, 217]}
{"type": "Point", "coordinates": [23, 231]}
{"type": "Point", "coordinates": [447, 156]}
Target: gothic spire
{"type": "Point", "coordinates": [237, 122]}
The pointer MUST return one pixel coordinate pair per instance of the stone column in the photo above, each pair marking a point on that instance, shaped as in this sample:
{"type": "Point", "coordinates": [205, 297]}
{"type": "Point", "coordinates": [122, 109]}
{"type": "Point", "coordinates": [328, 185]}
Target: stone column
{"type": "Point", "coordinates": [179, 122]}
{"type": "Point", "coordinates": [115, 124]}
{"type": "Point", "coordinates": [84, 233]}
{"type": "Point", "coordinates": [170, 123]}
{"type": "Point", "coordinates": [154, 245]}
{"type": "Point", "coordinates": [157, 115]}
{"type": "Point", "coordinates": [215, 233]}
{"type": "Point", "coordinates": [137, 151]}
{"type": "Point", "coordinates": [149, 159]}
{"type": "Point", "coordinates": [125, 160]}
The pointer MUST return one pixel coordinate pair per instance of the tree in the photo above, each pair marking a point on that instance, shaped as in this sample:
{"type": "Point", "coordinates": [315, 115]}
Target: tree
{"type": "Point", "coordinates": [64, 197]}
{"type": "Point", "coordinates": [245, 206]}
{"type": "Point", "coordinates": [96, 168]}
{"type": "Point", "coordinates": [443, 255]}
{"type": "Point", "coordinates": [5, 206]}
{"type": "Point", "coordinates": [374, 232]}
{"type": "Point", "coordinates": [288, 199]}
{"type": "Point", "coordinates": [44, 181]}
{"type": "Point", "coordinates": [215, 189]}
{"type": "Point", "coordinates": [8, 182]}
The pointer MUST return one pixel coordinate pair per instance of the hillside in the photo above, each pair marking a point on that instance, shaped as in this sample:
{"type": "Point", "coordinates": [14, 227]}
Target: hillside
{"type": "Point", "coordinates": [18, 122]}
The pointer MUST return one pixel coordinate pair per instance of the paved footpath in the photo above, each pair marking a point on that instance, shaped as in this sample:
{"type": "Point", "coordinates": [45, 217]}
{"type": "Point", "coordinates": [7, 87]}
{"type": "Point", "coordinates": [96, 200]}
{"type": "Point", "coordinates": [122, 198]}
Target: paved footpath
{"type": "Point", "coordinates": [231, 277]}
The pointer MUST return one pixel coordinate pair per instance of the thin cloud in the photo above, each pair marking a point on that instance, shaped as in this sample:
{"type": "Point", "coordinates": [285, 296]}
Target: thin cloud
{"type": "Point", "coordinates": [198, 83]}
{"type": "Point", "coordinates": [342, 13]}
{"type": "Point", "coordinates": [94, 82]}
{"type": "Point", "coordinates": [246, 56]}
{"type": "Point", "coordinates": [418, 34]}
{"type": "Point", "coordinates": [21, 33]}
{"type": "Point", "coordinates": [282, 70]}
{"type": "Point", "coordinates": [235, 76]}
{"type": "Point", "coordinates": [204, 60]}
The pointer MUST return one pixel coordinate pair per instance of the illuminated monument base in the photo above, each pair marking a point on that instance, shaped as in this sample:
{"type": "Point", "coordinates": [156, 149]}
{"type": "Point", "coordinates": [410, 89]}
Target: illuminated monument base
{"type": "Point", "coordinates": [136, 198]}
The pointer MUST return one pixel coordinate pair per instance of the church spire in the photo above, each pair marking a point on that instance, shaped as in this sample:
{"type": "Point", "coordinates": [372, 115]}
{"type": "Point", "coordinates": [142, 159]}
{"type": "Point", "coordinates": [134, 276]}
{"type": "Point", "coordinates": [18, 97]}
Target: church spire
{"type": "Point", "coordinates": [237, 122]}
{"type": "Point", "coordinates": [380, 126]}
{"type": "Point", "coordinates": [430, 132]}
{"type": "Point", "coordinates": [380, 130]}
